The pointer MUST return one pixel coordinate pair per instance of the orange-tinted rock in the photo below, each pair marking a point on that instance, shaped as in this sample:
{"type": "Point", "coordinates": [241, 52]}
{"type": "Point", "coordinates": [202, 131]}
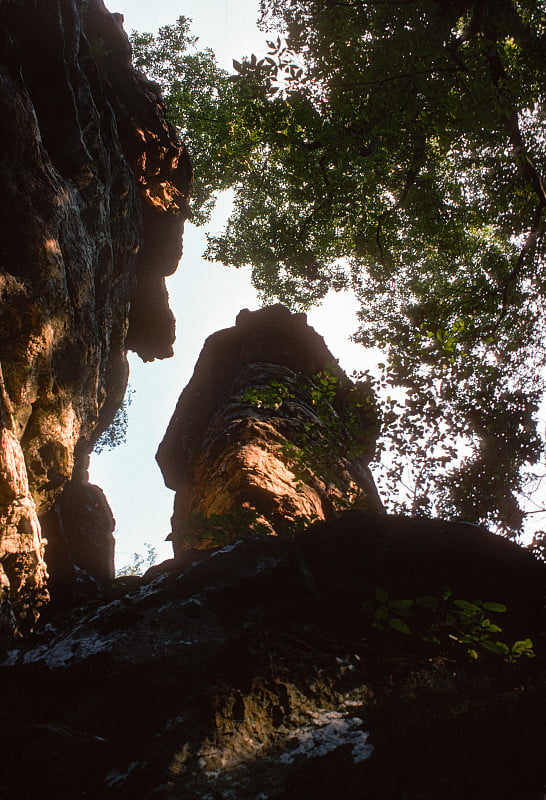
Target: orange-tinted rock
{"type": "Point", "coordinates": [226, 449]}
{"type": "Point", "coordinates": [22, 568]}
{"type": "Point", "coordinates": [92, 177]}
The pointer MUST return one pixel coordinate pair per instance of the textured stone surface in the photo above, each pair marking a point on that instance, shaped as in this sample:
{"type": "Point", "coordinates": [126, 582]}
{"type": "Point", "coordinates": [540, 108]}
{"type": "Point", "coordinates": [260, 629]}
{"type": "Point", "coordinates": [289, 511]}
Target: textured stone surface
{"type": "Point", "coordinates": [252, 671]}
{"type": "Point", "coordinates": [222, 452]}
{"type": "Point", "coordinates": [22, 568]}
{"type": "Point", "coordinates": [92, 177]}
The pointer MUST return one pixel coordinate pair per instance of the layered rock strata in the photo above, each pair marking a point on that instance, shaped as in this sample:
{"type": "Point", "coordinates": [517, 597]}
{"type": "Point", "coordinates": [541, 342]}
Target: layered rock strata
{"type": "Point", "coordinates": [92, 178]}
{"type": "Point", "coordinates": [269, 432]}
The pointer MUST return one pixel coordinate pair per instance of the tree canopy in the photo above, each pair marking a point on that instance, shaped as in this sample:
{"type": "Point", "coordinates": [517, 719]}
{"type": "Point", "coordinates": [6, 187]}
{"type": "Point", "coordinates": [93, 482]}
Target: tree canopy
{"type": "Point", "coordinates": [395, 148]}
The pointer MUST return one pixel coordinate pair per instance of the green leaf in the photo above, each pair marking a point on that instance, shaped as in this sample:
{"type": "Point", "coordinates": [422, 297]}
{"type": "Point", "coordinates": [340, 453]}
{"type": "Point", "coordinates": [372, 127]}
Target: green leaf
{"type": "Point", "coordinates": [469, 608]}
{"type": "Point", "coordinates": [523, 647]}
{"type": "Point", "coordinates": [399, 625]}
{"type": "Point", "coordinates": [499, 648]}
{"type": "Point", "coordinates": [498, 608]}
{"type": "Point", "coordinates": [490, 627]}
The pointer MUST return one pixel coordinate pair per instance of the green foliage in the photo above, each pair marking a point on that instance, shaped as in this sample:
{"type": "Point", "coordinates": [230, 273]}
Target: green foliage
{"type": "Point", "coordinates": [116, 433]}
{"type": "Point", "coordinates": [139, 563]}
{"type": "Point", "coordinates": [397, 150]}
{"type": "Point", "coordinates": [221, 529]}
{"type": "Point", "coordinates": [238, 522]}
{"type": "Point", "coordinates": [99, 49]}
{"type": "Point", "coordinates": [343, 420]}
{"type": "Point", "coordinates": [445, 621]}
{"type": "Point", "coordinates": [210, 111]}
{"type": "Point", "coordinates": [271, 396]}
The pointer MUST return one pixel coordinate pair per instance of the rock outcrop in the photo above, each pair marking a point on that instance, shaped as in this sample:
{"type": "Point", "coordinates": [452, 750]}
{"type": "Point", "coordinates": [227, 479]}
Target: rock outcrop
{"type": "Point", "coordinates": [270, 425]}
{"type": "Point", "coordinates": [92, 179]}
{"type": "Point", "coordinates": [79, 530]}
{"type": "Point", "coordinates": [265, 669]}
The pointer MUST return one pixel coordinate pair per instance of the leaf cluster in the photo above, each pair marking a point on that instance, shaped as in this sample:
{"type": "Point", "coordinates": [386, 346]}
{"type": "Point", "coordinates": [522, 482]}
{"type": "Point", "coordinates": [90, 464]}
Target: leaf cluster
{"type": "Point", "coordinates": [139, 562]}
{"type": "Point", "coordinates": [410, 167]}
{"type": "Point", "coordinates": [212, 113]}
{"type": "Point", "coordinates": [240, 521]}
{"type": "Point", "coordinates": [446, 621]}
{"type": "Point", "coordinates": [116, 433]}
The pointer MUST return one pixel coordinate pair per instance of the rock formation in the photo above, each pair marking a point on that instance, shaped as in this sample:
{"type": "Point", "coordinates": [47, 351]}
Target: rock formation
{"type": "Point", "coordinates": [268, 423]}
{"type": "Point", "coordinates": [93, 178]}
{"type": "Point", "coordinates": [265, 669]}
{"type": "Point", "coordinates": [79, 530]}
{"type": "Point", "coordinates": [362, 656]}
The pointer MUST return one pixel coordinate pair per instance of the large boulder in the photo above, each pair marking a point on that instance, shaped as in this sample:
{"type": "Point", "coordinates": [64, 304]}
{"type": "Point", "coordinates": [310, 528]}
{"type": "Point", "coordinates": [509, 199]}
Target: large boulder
{"type": "Point", "coordinates": [92, 177]}
{"type": "Point", "coordinates": [258, 671]}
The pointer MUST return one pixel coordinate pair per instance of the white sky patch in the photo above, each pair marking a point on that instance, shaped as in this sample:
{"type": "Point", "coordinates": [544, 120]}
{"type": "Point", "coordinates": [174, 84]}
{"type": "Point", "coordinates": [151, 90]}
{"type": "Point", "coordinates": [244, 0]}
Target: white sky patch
{"type": "Point", "coordinates": [226, 26]}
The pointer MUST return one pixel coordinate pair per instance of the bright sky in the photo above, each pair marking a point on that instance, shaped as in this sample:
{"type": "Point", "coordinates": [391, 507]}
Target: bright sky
{"type": "Point", "coordinates": [205, 297]}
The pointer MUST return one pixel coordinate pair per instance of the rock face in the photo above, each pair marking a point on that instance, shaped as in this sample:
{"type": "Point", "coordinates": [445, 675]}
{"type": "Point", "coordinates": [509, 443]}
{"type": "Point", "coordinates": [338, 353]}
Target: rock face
{"type": "Point", "coordinates": [258, 670]}
{"type": "Point", "coordinates": [80, 547]}
{"type": "Point", "coordinates": [270, 425]}
{"type": "Point", "coordinates": [92, 178]}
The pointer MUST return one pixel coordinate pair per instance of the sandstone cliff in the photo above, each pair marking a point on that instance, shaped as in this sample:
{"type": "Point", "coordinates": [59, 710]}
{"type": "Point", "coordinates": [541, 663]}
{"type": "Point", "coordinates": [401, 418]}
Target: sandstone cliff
{"type": "Point", "coordinates": [94, 195]}
{"type": "Point", "coordinates": [271, 424]}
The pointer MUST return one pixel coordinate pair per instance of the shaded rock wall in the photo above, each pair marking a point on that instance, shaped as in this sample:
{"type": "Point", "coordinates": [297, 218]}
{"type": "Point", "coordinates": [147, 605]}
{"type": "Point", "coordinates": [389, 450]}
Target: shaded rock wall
{"type": "Point", "coordinates": [224, 450]}
{"type": "Point", "coordinates": [253, 671]}
{"type": "Point", "coordinates": [92, 177]}
{"type": "Point", "coordinates": [80, 547]}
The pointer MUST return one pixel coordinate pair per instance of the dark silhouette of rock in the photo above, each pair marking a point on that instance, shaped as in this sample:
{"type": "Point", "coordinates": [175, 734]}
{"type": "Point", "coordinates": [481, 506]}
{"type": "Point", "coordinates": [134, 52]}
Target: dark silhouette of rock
{"type": "Point", "coordinates": [92, 179]}
{"type": "Point", "coordinates": [224, 451]}
{"type": "Point", "coordinates": [255, 670]}
{"type": "Point", "coordinates": [80, 543]}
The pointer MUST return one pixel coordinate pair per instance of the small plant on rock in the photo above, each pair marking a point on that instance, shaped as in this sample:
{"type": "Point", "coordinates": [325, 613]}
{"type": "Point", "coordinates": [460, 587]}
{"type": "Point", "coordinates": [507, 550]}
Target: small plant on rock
{"type": "Point", "coordinates": [139, 563]}
{"type": "Point", "coordinates": [221, 529]}
{"type": "Point", "coordinates": [445, 620]}
{"type": "Point", "coordinates": [336, 429]}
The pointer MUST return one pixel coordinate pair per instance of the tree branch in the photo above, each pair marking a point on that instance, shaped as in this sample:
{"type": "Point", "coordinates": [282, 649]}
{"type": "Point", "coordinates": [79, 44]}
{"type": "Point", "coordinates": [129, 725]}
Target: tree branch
{"type": "Point", "coordinates": [412, 174]}
{"type": "Point", "coordinates": [529, 172]}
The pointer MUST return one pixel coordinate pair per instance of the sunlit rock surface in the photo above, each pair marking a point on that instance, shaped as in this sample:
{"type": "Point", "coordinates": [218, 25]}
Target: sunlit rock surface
{"type": "Point", "coordinates": [224, 451]}
{"type": "Point", "coordinates": [92, 178]}
{"type": "Point", "coordinates": [255, 670]}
